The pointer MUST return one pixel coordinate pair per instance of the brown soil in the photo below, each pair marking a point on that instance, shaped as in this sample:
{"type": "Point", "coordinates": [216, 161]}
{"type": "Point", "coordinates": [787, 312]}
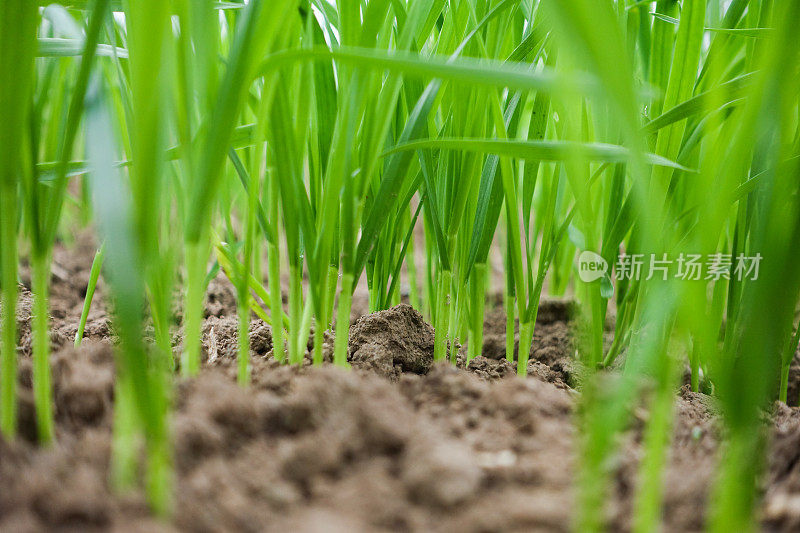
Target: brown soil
{"type": "Point", "coordinates": [397, 443]}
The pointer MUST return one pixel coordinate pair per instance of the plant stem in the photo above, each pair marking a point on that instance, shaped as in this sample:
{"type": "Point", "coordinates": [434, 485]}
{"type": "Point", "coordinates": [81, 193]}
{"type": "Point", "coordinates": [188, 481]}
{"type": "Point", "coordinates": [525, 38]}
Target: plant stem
{"type": "Point", "coordinates": [18, 27]}
{"type": "Point", "coordinates": [305, 324]}
{"type": "Point", "coordinates": [331, 280]}
{"type": "Point", "coordinates": [647, 510]}
{"type": "Point", "coordinates": [42, 393]}
{"type": "Point", "coordinates": [195, 257]}
{"type": "Point", "coordinates": [276, 301]}
{"type": "Point", "coordinates": [94, 275]}
{"type": "Point", "coordinates": [330, 294]}
{"type": "Point", "coordinates": [125, 437]}
{"type": "Point", "coordinates": [615, 349]}
{"type": "Point", "coordinates": [597, 309]}
{"type": "Point", "coordinates": [373, 298]}
{"type": "Point", "coordinates": [732, 506]}
{"type": "Point", "coordinates": [784, 388]}
{"type": "Point", "coordinates": [478, 292]}
{"type": "Point", "coordinates": [319, 341]}
{"type": "Point", "coordinates": [454, 302]}
{"type": "Point", "coordinates": [620, 332]}
{"type": "Point", "coordinates": [442, 316]}
{"type": "Point", "coordinates": [161, 321]}
{"type": "Point", "coordinates": [159, 474]}
{"type": "Point", "coordinates": [511, 309]}
{"type": "Point", "coordinates": [8, 284]}
{"type": "Point", "coordinates": [525, 342]}
{"type": "Point", "coordinates": [411, 266]}
{"type": "Point", "coordinates": [295, 314]}
{"type": "Point", "coordinates": [244, 339]}
{"type": "Point", "coordinates": [244, 289]}
{"type": "Point", "coordinates": [343, 320]}
{"type": "Point", "coordinates": [318, 355]}
{"type": "Point", "coordinates": [428, 284]}
{"type": "Point", "coordinates": [791, 349]}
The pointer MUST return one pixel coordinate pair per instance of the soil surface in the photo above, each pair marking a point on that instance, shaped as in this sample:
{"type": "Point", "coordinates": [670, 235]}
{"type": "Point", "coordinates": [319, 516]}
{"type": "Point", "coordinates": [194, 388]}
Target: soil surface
{"type": "Point", "coordinates": [396, 443]}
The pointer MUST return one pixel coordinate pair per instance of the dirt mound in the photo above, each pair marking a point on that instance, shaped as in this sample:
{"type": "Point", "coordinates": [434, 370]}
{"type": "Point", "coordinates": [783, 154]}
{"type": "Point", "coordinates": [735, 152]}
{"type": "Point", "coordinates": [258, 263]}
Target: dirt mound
{"type": "Point", "coordinates": [392, 342]}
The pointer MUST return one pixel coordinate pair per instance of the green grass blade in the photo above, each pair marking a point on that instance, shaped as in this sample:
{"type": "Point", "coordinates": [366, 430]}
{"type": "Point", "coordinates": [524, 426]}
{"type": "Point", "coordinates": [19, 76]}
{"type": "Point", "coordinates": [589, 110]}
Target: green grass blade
{"type": "Point", "coordinates": [18, 20]}
{"type": "Point", "coordinates": [537, 150]}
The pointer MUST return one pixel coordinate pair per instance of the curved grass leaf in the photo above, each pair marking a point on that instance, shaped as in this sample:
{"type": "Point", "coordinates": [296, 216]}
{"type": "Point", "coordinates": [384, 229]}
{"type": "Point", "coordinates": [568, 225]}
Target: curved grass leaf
{"type": "Point", "coordinates": [464, 70]}
{"type": "Point", "coordinates": [58, 47]}
{"type": "Point", "coordinates": [537, 150]}
{"type": "Point", "coordinates": [758, 33]}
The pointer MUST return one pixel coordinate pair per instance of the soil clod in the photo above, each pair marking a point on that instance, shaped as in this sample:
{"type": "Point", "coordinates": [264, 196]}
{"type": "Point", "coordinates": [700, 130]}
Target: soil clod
{"type": "Point", "coordinates": [391, 342]}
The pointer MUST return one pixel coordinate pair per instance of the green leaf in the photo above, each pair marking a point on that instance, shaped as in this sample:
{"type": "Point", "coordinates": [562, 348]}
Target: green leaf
{"type": "Point", "coordinates": [536, 150]}
{"type": "Point", "coordinates": [464, 70]}
{"type": "Point", "coordinates": [57, 47]}
{"type": "Point", "coordinates": [758, 33]}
